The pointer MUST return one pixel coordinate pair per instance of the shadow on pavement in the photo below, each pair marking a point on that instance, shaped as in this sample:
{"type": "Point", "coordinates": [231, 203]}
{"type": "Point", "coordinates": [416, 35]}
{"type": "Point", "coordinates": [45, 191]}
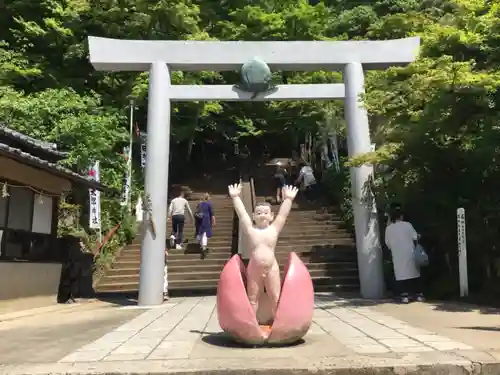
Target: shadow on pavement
{"type": "Point", "coordinates": [478, 328]}
{"type": "Point", "coordinates": [118, 299]}
{"type": "Point", "coordinates": [354, 300]}
{"type": "Point", "coordinates": [453, 306]}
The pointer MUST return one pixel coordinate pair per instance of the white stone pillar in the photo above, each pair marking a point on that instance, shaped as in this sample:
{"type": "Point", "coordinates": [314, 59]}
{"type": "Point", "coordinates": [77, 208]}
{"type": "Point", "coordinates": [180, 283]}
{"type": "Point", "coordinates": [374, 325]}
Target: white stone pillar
{"type": "Point", "coordinates": [369, 251]}
{"type": "Point", "coordinates": [157, 158]}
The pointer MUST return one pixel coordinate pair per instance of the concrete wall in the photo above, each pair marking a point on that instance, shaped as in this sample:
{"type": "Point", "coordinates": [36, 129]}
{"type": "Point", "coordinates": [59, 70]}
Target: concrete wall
{"type": "Point", "coordinates": [24, 279]}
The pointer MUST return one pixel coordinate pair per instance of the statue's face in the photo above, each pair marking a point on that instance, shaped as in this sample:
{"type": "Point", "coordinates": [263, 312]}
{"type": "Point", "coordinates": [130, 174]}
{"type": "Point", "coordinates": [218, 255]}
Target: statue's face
{"type": "Point", "coordinates": [263, 216]}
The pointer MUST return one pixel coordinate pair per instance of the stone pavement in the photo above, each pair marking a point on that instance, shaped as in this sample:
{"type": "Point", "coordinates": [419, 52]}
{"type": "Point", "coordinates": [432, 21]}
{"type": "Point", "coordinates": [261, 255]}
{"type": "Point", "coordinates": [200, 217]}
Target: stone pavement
{"type": "Point", "coordinates": [27, 303]}
{"type": "Point", "coordinates": [183, 336]}
{"type": "Point", "coordinates": [47, 334]}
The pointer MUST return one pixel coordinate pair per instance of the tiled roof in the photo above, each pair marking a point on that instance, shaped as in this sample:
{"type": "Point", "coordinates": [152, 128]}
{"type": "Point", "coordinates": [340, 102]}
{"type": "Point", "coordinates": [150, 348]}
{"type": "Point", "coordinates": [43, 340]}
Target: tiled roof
{"type": "Point", "coordinates": [45, 146]}
{"type": "Point", "coordinates": [37, 162]}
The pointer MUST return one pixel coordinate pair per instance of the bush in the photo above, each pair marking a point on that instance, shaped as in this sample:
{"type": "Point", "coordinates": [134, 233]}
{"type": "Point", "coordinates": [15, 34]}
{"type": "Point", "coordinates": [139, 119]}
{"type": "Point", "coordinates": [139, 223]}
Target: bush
{"type": "Point", "coordinates": [337, 190]}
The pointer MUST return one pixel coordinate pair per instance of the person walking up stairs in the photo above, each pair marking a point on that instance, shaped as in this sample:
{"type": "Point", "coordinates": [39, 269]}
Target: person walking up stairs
{"type": "Point", "coordinates": [176, 214]}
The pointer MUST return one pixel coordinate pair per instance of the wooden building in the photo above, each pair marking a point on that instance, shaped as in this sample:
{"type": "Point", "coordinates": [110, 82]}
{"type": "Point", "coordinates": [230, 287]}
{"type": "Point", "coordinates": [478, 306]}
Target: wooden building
{"type": "Point", "coordinates": [31, 183]}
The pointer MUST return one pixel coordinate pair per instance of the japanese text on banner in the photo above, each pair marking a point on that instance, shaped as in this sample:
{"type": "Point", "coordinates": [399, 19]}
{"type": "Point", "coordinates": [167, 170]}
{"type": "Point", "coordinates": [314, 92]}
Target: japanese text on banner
{"type": "Point", "coordinates": [143, 149]}
{"type": "Point", "coordinates": [126, 179]}
{"type": "Point", "coordinates": [95, 199]}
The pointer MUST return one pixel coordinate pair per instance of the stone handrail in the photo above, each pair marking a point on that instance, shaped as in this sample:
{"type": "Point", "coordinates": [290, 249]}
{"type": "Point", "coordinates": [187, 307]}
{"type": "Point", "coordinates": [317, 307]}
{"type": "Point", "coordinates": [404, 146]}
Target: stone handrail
{"type": "Point", "coordinates": [105, 240]}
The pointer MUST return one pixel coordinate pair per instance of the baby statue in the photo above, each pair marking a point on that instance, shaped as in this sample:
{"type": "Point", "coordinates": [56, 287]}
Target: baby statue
{"type": "Point", "coordinates": [263, 270]}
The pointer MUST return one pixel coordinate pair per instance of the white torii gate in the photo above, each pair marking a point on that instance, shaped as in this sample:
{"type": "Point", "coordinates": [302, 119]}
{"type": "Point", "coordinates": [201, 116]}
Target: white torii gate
{"type": "Point", "coordinates": [162, 57]}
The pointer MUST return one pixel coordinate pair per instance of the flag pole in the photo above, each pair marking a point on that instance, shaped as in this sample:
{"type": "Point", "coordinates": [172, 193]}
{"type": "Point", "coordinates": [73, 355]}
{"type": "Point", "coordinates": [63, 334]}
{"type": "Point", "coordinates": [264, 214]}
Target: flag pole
{"type": "Point", "coordinates": [129, 161]}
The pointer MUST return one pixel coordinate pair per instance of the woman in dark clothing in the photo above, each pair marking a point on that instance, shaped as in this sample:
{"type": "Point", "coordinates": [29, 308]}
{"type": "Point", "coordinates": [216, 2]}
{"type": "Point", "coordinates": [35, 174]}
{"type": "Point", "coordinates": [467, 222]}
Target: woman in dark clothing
{"type": "Point", "coordinates": [205, 220]}
{"type": "Point", "coordinates": [280, 177]}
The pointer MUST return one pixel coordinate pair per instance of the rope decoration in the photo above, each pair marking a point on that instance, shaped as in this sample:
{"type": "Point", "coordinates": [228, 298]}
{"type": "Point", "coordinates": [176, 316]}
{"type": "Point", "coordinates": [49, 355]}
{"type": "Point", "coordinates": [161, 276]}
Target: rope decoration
{"type": "Point", "coordinates": [5, 192]}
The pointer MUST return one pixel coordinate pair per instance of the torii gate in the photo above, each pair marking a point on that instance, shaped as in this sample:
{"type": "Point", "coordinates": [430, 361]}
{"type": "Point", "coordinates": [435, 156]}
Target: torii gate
{"type": "Point", "coordinates": [162, 57]}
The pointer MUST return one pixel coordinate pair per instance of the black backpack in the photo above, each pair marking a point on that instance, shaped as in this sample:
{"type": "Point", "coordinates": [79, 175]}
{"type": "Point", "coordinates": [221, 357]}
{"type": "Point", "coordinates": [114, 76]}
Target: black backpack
{"type": "Point", "coordinates": [198, 214]}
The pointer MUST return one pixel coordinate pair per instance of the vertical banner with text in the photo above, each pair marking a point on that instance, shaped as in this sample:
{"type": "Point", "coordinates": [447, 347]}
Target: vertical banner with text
{"type": "Point", "coordinates": [143, 137]}
{"type": "Point", "coordinates": [126, 179]}
{"type": "Point", "coordinates": [95, 199]}
{"type": "Point", "coordinates": [462, 253]}
{"type": "Point", "coordinates": [334, 145]}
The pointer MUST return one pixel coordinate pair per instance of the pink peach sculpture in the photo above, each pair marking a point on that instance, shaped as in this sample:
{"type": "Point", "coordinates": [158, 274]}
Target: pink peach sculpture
{"type": "Point", "coordinates": [292, 317]}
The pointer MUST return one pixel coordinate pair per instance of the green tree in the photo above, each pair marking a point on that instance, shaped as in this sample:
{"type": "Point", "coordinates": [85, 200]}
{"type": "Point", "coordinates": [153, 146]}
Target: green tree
{"type": "Point", "coordinates": [437, 122]}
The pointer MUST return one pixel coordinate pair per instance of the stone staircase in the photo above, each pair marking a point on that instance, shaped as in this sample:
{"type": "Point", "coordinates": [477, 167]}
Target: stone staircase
{"type": "Point", "coordinates": [324, 246]}
{"type": "Point", "coordinates": [189, 270]}
{"type": "Point", "coordinates": [318, 236]}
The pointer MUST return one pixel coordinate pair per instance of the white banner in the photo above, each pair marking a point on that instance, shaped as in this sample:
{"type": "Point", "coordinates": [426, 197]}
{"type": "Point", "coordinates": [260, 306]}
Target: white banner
{"type": "Point", "coordinates": [462, 253]}
{"type": "Point", "coordinates": [335, 151]}
{"type": "Point", "coordinates": [126, 180]}
{"type": "Point", "coordinates": [95, 199]}
{"type": "Point", "coordinates": [143, 149]}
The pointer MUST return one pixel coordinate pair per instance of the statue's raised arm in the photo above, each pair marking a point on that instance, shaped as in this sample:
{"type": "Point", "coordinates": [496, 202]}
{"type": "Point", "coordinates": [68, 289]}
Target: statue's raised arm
{"type": "Point", "coordinates": [289, 194]}
{"type": "Point", "coordinates": [239, 207]}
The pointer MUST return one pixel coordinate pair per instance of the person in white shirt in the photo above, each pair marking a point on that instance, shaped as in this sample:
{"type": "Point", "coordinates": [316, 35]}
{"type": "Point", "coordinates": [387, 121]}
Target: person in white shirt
{"type": "Point", "coordinates": [401, 239]}
{"type": "Point", "coordinates": [176, 212]}
{"type": "Point", "coordinates": [306, 175]}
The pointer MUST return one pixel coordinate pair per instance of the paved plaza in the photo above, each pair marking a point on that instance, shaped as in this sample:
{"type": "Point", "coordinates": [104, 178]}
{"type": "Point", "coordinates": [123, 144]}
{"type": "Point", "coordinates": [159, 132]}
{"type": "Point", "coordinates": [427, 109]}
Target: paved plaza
{"type": "Point", "coordinates": [183, 336]}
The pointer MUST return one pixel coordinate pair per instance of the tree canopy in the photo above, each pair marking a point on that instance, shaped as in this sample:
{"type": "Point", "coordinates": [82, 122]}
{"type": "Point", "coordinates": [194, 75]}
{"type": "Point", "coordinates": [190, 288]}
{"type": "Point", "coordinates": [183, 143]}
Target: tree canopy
{"type": "Point", "coordinates": [435, 122]}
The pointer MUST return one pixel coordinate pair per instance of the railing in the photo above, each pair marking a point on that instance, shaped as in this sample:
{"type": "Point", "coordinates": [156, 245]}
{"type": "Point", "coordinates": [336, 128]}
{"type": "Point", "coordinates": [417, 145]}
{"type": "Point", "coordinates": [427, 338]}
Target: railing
{"type": "Point", "coordinates": [106, 239]}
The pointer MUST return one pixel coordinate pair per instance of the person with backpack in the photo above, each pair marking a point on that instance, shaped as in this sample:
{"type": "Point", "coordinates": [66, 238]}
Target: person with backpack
{"type": "Point", "coordinates": [306, 176]}
{"type": "Point", "coordinates": [205, 221]}
{"type": "Point", "coordinates": [280, 176]}
{"type": "Point", "coordinates": [401, 239]}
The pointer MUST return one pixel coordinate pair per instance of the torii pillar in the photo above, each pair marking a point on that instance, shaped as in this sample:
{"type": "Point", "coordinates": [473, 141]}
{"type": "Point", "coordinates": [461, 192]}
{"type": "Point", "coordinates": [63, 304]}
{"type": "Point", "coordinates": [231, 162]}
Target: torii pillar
{"type": "Point", "coordinates": [161, 57]}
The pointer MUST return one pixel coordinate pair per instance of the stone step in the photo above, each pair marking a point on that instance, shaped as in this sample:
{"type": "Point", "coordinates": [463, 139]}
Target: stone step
{"type": "Point", "coordinates": [215, 243]}
{"type": "Point", "coordinates": [219, 229]}
{"type": "Point", "coordinates": [224, 252]}
{"type": "Point", "coordinates": [333, 268]}
{"type": "Point", "coordinates": [281, 256]}
{"type": "Point", "coordinates": [176, 277]}
{"type": "Point", "coordinates": [333, 246]}
{"type": "Point", "coordinates": [185, 290]}
{"type": "Point", "coordinates": [306, 228]}
{"type": "Point", "coordinates": [217, 266]}
{"type": "Point", "coordinates": [218, 210]}
{"type": "Point", "coordinates": [287, 240]}
{"type": "Point", "coordinates": [319, 237]}
{"type": "Point", "coordinates": [300, 235]}
{"type": "Point", "coordinates": [311, 224]}
{"type": "Point", "coordinates": [220, 224]}
{"type": "Point", "coordinates": [321, 282]}
{"type": "Point", "coordinates": [198, 264]}
{"type": "Point", "coordinates": [306, 256]}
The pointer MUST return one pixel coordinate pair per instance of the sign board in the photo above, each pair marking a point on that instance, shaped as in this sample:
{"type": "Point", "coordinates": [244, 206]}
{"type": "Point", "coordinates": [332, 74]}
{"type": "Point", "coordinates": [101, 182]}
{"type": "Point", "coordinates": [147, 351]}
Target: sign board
{"type": "Point", "coordinates": [126, 179]}
{"type": "Point", "coordinates": [143, 154]}
{"type": "Point", "coordinates": [95, 199]}
{"type": "Point", "coordinates": [462, 253]}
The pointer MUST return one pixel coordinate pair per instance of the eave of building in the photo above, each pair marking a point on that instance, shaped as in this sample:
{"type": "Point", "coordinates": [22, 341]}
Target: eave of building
{"type": "Point", "coordinates": [52, 168]}
{"type": "Point", "coordinates": [46, 147]}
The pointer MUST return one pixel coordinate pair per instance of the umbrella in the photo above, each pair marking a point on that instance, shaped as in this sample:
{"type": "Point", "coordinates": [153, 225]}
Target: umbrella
{"type": "Point", "coordinates": [285, 162]}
